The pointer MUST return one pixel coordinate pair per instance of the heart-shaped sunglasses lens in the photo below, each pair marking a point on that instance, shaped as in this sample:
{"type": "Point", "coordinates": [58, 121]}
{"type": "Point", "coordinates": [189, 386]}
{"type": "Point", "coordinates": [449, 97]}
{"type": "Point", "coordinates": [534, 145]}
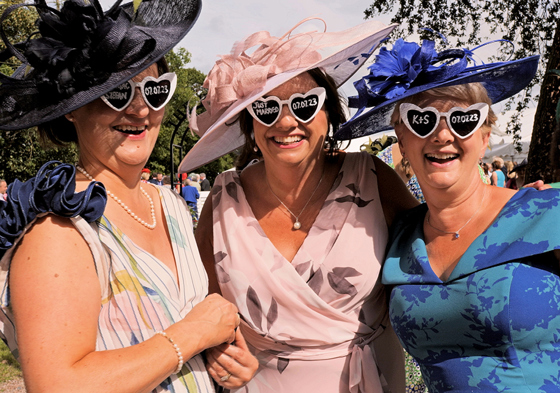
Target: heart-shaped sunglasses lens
{"type": "Point", "coordinates": [156, 92]}
{"type": "Point", "coordinates": [461, 121]}
{"type": "Point", "coordinates": [304, 107]}
{"type": "Point", "coordinates": [422, 122]}
{"type": "Point", "coordinates": [119, 98]}
{"type": "Point", "coordinates": [266, 111]}
{"type": "Point", "coordinates": [466, 121]}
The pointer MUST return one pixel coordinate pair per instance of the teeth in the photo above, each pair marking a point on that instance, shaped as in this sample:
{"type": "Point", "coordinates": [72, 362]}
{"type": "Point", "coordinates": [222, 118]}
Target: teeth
{"type": "Point", "coordinates": [441, 156]}
{"type": "Point", "coordinates": [287, 139]}
{"type": "Point", "coordinates": [130, 129]}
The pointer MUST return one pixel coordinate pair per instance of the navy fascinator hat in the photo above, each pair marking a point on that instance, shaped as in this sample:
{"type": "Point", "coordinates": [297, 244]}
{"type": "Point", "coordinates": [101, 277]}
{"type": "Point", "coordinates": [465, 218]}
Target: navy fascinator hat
{"type": "Point", "coordinates": [81, 53]}
{"type": "Point", "coordinates": [409, 69]}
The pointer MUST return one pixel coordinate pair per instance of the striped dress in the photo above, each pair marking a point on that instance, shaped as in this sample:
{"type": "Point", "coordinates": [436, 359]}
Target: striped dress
{"type": "Point", "coordinates": [139, 293]}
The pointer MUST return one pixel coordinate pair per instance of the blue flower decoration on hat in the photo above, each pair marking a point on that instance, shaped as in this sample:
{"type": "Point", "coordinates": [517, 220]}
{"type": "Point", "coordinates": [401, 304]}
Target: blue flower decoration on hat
{"type": "Point", "coordinates": [396, 69]}
{"type": "Point", "coordinates": [405, 66]}
{"type": "Point", "coordinates": [51, 191]}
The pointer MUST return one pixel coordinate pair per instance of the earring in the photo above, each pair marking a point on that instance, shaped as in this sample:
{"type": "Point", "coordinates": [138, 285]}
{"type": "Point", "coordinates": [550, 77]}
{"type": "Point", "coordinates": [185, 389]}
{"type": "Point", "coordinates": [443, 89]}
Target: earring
{"type": "Point", "coordinates": [256, 149]}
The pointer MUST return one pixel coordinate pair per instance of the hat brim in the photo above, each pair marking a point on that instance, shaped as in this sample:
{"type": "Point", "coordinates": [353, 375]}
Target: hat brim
{"type": "Point", "coordinates": [501, 81]}
{"type": "Point", "coordinates": [337, 65]}
{"type": "Point", "coordinates": [167, 21]}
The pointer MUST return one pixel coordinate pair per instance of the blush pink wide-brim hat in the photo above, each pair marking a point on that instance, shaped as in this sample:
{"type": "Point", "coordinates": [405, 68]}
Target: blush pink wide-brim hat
{"type": "Point", "coordinates": [240, 78]}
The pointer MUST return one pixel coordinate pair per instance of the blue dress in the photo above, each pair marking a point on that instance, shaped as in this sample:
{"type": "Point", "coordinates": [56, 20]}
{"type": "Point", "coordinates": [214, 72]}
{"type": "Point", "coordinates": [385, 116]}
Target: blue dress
{"type": "Point", "coordinates": [494, 325]}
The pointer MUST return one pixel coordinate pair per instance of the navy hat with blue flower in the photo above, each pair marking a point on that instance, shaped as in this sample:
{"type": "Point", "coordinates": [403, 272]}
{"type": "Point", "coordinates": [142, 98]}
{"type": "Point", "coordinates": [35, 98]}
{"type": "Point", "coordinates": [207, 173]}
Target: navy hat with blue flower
{"type": "Point", "coordinates": [408, 69]}
{"type": "Point", "coordinates": [82, 53]}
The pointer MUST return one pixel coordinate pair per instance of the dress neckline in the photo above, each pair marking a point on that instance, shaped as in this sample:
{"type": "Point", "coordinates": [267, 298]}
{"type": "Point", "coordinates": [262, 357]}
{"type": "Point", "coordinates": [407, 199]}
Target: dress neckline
{"type": "Point", "coordinates": [301, 250]}
{"type": "Point", "coordinates": [176, 278]}
{"type": "Point", "coordinates": [412, 241]}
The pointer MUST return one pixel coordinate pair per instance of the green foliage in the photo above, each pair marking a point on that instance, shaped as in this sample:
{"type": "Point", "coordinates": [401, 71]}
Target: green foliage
{"type": "Point", "coordinates": [21, 153]}
{"type": "Point", "coordinates": [9, 367]}
{"type": "Point", "coordinates": [188, 94]}
{"type": "Point", "coordinates": [18, 27]}
{"type": "Point", "coordinates": [529, 24]}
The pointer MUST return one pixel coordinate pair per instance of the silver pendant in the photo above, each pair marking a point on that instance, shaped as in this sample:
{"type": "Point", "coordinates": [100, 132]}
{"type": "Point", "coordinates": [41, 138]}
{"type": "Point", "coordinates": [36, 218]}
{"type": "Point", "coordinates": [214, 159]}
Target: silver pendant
{"type": "Point", "coordinates": [456, 235]}
{"type": "Point", "coordinates": [297, 225]}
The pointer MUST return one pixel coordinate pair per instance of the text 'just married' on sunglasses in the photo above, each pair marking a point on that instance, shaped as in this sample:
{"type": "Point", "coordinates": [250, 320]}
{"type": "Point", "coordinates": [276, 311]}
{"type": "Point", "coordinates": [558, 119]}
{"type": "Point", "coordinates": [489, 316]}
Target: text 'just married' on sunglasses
{"type": "Point", "coordinates": [304, 107]}
{"type": "Point", "coordinates": [463, 122]}
{"type": "Point", "coordinates": [156, 92]}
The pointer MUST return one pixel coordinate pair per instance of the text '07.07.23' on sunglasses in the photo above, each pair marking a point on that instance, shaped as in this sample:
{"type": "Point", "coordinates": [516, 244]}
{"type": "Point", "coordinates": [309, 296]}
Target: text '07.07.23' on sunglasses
{"type": "Point", "coordinates": [304, 107]}
{"type": "Point", "coordinates": [156, 92]}
{"type": "Point", "coordinates": [463, 122]}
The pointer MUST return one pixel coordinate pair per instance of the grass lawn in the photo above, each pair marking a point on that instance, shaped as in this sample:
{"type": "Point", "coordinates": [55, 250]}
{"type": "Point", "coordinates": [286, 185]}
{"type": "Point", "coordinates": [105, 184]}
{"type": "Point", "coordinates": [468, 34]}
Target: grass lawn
{"type": "Point", "coordinates": [9, 367]}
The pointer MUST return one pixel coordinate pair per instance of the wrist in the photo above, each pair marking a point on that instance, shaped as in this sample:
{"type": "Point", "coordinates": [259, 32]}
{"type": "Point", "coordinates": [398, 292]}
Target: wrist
{"type": "Point", "coordinates": [180, 359]}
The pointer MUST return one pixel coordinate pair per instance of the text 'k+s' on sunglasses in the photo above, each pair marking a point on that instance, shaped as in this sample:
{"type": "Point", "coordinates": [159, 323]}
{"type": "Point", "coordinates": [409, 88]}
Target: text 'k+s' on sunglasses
{"type": "Point", "coordinates": [304, 107]}
{"type": "Point", "coordinates": [156, 92]}
{"type": "Point", "coordinates": [463, 122]}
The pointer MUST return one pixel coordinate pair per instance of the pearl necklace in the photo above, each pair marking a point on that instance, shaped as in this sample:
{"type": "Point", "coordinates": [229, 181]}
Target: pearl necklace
{"type": "Point", "coordinates": [456, 233]}
{"type": "Point", "coordinates": [126, 208]}
{"type": "Point", "coordinates": [297, 224]}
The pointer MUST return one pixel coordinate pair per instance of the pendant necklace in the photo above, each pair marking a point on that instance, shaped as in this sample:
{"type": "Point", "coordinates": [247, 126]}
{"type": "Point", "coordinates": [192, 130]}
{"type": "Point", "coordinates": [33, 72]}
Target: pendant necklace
{"type": "Point", "coordinates": [456, 233]}
{"type": "Point", "coordinates": [121, 203]}
{"type": "Point", "coordinates": [297, 224]}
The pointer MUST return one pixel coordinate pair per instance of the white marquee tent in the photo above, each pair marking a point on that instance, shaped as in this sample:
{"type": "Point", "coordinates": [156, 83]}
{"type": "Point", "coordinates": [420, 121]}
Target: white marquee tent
{"type": "Point", "coordinates": [501, 144]}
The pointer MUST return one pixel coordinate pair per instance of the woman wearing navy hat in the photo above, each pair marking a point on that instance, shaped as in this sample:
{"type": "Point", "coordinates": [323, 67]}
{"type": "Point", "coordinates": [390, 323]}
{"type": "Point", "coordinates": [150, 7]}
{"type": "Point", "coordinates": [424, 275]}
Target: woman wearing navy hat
{"type": "Point", "coordinates": [474, 272]}
{"type": "Point", "coordinates": [106, 294]}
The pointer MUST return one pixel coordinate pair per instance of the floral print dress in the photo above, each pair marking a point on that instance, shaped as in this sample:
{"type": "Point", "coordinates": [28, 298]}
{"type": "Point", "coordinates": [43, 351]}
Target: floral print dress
{"type": "Point", "coordinates": [139, 293]}
{"type": "Point", "coordinates": [494, 324]}
{"type": "Point", "coordinates": [318, 322]}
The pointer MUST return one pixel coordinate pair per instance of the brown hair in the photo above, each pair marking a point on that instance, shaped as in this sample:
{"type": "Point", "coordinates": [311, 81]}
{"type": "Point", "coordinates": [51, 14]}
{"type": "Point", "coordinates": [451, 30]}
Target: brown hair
{"type": "Point", "coordinates": [405, 167]}
{"type": "Point", "coordinates": [61, 131]}
{"type": "Point", "coordinates": [333, 107]}
{"type": "Point", "coordinates": [469, 92]}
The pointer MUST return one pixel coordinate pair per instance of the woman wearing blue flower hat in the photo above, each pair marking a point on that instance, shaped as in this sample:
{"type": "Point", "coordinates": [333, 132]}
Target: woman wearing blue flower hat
{"type": "Point", "coordinates": [105, 294]}
{"type": "Point", "coordinates": [474, 272]}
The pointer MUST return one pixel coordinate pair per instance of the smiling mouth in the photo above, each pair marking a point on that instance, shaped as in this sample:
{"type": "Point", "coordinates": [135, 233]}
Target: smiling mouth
{"type": "Point", "coordinates": [442, 158]}
{"type": "Point", "coordinates": [287, 140]}
{"type": "Point", "coordinates": [130, 129]}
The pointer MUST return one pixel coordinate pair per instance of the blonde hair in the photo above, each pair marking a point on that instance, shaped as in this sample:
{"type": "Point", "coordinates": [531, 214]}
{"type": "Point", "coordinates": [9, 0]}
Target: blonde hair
{"type": "Point", "coordinates": [470, 93]}
{"type": "Point", "coordinates": [145, 176]}
{"type": "Point", "coordinates": [509, 166]}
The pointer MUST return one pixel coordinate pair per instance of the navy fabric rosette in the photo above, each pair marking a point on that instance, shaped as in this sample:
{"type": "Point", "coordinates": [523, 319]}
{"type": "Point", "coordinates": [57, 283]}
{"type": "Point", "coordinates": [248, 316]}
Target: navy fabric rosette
{"type": "Point", "coordinates": [52, 190]}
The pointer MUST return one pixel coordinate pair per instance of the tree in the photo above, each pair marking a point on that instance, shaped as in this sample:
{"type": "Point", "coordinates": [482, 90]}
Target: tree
{"type": "Point", "coordinates": [188, 93]}
{"type": "Point", "coordinates": [532, 25]}
{"type": "Point", "coordinates": [21, 152]}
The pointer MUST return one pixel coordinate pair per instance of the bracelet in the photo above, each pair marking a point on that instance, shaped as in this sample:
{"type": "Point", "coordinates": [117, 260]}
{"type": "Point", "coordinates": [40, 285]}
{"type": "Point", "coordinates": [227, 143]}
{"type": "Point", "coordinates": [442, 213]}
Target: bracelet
{"type": "Point", "coordinates": [180, 361]}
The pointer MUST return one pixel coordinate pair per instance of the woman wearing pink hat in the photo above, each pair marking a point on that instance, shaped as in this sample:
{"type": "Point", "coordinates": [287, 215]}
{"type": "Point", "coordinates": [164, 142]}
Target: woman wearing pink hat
{"type": "Point", "coordinates": [296, 239]}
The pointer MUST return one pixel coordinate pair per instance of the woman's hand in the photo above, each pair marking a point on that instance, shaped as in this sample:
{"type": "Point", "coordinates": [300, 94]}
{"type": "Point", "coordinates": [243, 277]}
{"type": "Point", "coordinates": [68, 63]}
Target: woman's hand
{"type": "Point", "coordinates": [538, 185]}
{"type": "Point", "coordinates": [231, 365]}
{"type": "Point", "coordinates": [214, 320]}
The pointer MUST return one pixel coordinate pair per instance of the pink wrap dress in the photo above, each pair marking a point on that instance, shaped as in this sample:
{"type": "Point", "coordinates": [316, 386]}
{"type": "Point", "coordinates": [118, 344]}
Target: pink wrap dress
{"type": "Point", "coordinates": [318, 323]}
